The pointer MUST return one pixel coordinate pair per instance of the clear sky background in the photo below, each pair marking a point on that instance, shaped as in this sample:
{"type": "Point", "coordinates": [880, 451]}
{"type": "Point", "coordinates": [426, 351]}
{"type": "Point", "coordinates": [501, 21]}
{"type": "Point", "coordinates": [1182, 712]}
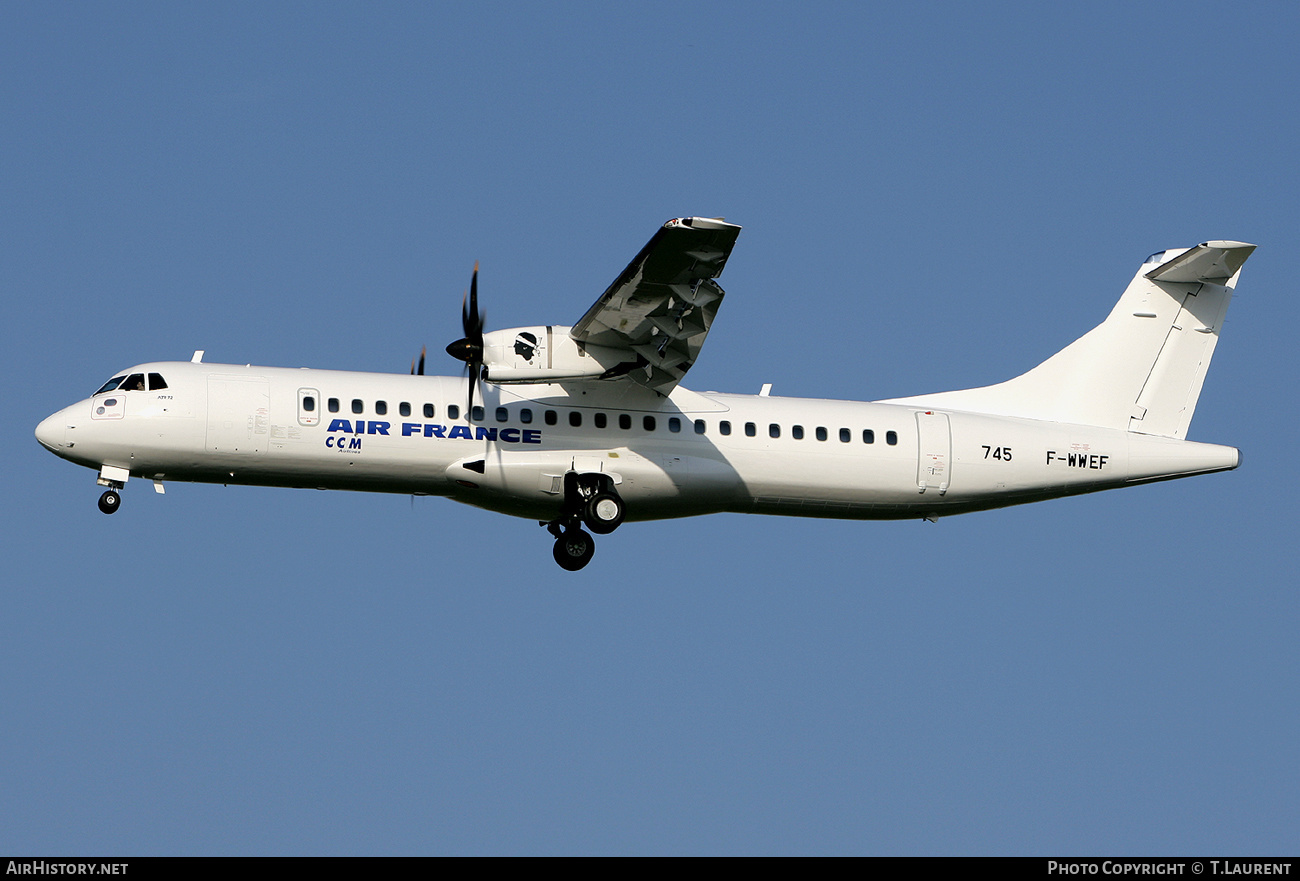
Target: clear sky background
{"type": "Point", "coordinates": [933, 196]}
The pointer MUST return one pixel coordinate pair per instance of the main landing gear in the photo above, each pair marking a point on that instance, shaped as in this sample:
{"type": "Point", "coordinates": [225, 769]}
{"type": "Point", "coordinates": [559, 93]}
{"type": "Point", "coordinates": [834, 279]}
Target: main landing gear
{"type": "Point", "coordinates": [590, 500]}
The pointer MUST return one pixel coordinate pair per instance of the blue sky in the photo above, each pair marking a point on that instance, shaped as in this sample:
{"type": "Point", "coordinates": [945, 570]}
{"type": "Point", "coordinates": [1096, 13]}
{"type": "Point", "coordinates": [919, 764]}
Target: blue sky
{"type": "Point", "coordinates": [933, 196]}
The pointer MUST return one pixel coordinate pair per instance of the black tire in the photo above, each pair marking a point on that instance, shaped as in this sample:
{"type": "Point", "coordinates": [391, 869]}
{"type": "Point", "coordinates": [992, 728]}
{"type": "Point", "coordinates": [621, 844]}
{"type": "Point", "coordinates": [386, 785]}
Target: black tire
{"type": "Point", "coordinates": [574, 549]}
{"type": "Point", "coordinates": [109, 502]}
{"type": "Point", "coordinates": [603, 512]}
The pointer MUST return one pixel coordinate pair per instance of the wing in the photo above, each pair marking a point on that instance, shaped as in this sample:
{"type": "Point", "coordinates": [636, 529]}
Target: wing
{"type": "Point", "coordinates": [660, 308]}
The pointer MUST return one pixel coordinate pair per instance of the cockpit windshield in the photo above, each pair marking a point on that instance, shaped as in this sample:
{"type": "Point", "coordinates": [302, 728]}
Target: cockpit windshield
{"type": "Point", "coordinates": [111, 384]}
{"type": "Point", "coordinates": [133, 383]}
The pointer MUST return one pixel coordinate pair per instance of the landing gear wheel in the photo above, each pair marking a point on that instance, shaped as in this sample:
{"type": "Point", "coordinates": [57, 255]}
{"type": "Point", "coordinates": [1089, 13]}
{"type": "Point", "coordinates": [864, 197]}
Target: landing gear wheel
{"type": "Point", "coordinates": [110, 501]}
{"type": "Point", "coordinates": [603, 512]}
{"type": "Point", "coordinates": [574, 549]}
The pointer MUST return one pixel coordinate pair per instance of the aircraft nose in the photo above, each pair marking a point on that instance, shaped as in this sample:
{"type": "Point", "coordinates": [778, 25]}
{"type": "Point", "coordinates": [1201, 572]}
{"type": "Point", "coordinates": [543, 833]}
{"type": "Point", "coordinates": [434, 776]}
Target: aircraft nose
{"type": "Point", "coordinates": [50, 432]}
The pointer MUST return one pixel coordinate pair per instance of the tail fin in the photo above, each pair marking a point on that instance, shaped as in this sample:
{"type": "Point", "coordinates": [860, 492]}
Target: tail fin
{"type": "Point", "coordinates": [1143, 367]}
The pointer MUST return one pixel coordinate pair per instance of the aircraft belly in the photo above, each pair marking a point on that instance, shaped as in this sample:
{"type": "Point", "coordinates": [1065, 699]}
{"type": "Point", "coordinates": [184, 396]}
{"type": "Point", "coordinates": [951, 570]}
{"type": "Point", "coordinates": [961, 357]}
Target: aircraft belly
{"type": "Point", "coordinates": [826, 484]}
{"type": "Point", "coordinates": [532, 484]}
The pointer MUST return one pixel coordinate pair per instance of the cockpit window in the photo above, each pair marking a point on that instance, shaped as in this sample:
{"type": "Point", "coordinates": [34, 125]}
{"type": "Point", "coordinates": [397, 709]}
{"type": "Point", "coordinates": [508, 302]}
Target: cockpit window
{"type": "Point", "coordinates": [156, 382]}
{"type": "Point", "coordinates": [111, 384]}
{"type": "Point", "coordinates": [133, 383]}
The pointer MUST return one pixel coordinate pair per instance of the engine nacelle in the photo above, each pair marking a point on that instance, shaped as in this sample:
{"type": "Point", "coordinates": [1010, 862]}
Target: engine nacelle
{"type": "Point", "coordinates": [544, 354]}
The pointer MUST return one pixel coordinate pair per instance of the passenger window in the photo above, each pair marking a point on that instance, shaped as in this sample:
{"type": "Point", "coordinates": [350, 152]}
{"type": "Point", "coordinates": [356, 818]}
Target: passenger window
{"type": "Point", "coordinates": [751, 430]}
{"type": "Point", "coordinates": [599, 420]}
{"type": "Point", "coordinates": [845, 435]}
{"type": "Point", "coordinates": [453, 411]}
{"type": "Point", "coordinates": [796, 432]}
{"type": "Point", "coordinates": [624, 421]}
{"type": "Point", "coordinates": [309, 404]}
{"type": "Point", "coordinates": [674, 424]}
{"type": "Point", "coordinates": [476, 414]}
{"type": "Point", "coordinates": [550, 417]}
{"type": "Point", "coordinates": [575, 418]}
{"type": "Point", "coordinates": [868, 436]}
{"type": "Point", "coordinates": [381, 408]}
{"type": "Point", "coordinates": [134, 383]}
{"type": "Point", "coordinates": [404, 408]}
{"type": "Point", "coordinates": [333, 405]}
{"type": "Point", "coordinates": [891, 438]}
{"type": "Point", "coordinates": [502, 414]}
{"type": "Point", "coordinates": [358, 406]}
{"type": "Point", "coordinates": [699, 426]}
{"type": "Point", "coordinates": [821, 433]}
{"type": "Point", "coordinates": [724, 427]}
{"type": "Point", "coordinates": [648, 423]}
{"type": "Point", "coordinates": [428, 411]}
{"type": "Point", "coordinates": [156, 382]}
{"type": "Point", "coordinates": [526, 416]}
{"type": "Point", "coordinates": [774, 430]}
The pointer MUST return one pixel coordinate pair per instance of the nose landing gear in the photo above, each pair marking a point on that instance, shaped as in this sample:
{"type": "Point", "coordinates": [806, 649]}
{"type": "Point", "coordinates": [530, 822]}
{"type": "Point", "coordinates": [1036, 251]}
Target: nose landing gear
{"type": "Point", "coordinates": [110, 501]}
{"type": "Point", "coordinates": [589, 499]}
{"type": "Point", "coordinates": [114, 478]}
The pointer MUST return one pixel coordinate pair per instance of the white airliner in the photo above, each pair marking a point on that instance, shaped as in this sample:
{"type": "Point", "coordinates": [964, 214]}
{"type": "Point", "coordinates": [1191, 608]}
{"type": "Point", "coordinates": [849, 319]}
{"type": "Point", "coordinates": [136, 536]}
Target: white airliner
{"type": "Point", "coordinates": [587, 425]}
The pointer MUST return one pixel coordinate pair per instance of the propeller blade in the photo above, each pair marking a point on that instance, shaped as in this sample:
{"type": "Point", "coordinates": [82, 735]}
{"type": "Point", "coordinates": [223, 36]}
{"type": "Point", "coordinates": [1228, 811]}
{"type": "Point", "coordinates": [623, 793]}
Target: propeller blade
{"type": "Point", "coordinates": [469, 348]}
{"type": "Point", "coordinates": [478, 317]}
{"type": "Point", "coordinates": [423, 350]}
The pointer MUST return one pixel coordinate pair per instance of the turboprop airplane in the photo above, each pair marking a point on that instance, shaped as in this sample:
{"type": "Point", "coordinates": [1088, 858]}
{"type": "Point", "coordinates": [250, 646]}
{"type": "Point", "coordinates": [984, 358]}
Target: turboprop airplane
{"type": "Point", "coordinates": [588, 425]}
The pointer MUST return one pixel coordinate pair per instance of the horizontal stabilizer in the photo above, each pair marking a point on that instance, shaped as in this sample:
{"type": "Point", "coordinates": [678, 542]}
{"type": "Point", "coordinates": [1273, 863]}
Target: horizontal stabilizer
{"type": "Point", "coordinates": [1208, 262]}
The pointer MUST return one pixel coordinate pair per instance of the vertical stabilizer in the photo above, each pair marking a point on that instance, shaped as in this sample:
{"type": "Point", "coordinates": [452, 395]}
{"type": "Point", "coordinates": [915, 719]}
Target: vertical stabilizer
{"type": "Point", "coordinates": [1143, 367]}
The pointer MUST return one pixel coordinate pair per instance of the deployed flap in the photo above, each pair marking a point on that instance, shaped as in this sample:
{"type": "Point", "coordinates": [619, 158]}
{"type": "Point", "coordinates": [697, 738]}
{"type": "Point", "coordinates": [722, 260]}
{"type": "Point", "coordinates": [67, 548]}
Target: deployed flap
{"type": "Point", "coordinates": [1208, 262]}
{"type": "Point", "coordinates": [660, 308]}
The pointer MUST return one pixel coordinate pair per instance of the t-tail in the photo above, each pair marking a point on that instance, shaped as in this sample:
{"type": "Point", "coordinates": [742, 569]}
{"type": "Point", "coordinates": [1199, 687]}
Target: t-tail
{"type": "Point", "coordinates": [1143, 367]}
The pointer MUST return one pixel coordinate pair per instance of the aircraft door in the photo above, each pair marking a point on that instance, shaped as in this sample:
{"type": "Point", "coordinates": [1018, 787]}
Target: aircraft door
{"type": "Point", "coordinates": [308, 407]}
{"type": "Point", "coordinates": [935, 451]}
{"type": "Point", "coordinates": [239, 414]}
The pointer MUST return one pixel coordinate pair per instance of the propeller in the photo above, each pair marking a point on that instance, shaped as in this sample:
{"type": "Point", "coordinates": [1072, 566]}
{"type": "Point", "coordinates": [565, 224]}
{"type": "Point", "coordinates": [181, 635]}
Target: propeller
{"type": "Point", "coordinates": [420, 370]}
{"type": "Point", "coordinates": [469, 348]}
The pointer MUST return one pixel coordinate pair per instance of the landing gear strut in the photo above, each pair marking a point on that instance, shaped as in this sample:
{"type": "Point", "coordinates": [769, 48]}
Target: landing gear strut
{"type": "Point", "coordinates": [589, 499]}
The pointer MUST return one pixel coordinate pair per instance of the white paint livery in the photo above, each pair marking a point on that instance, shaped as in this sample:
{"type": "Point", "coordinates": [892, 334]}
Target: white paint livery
{"type": "Point", "coordinates": [588, 425]}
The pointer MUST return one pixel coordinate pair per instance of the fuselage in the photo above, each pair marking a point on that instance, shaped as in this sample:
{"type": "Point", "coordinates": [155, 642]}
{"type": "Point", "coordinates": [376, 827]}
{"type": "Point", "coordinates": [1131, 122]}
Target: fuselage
{"type": "Point", "coordinates": [684, 454]}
